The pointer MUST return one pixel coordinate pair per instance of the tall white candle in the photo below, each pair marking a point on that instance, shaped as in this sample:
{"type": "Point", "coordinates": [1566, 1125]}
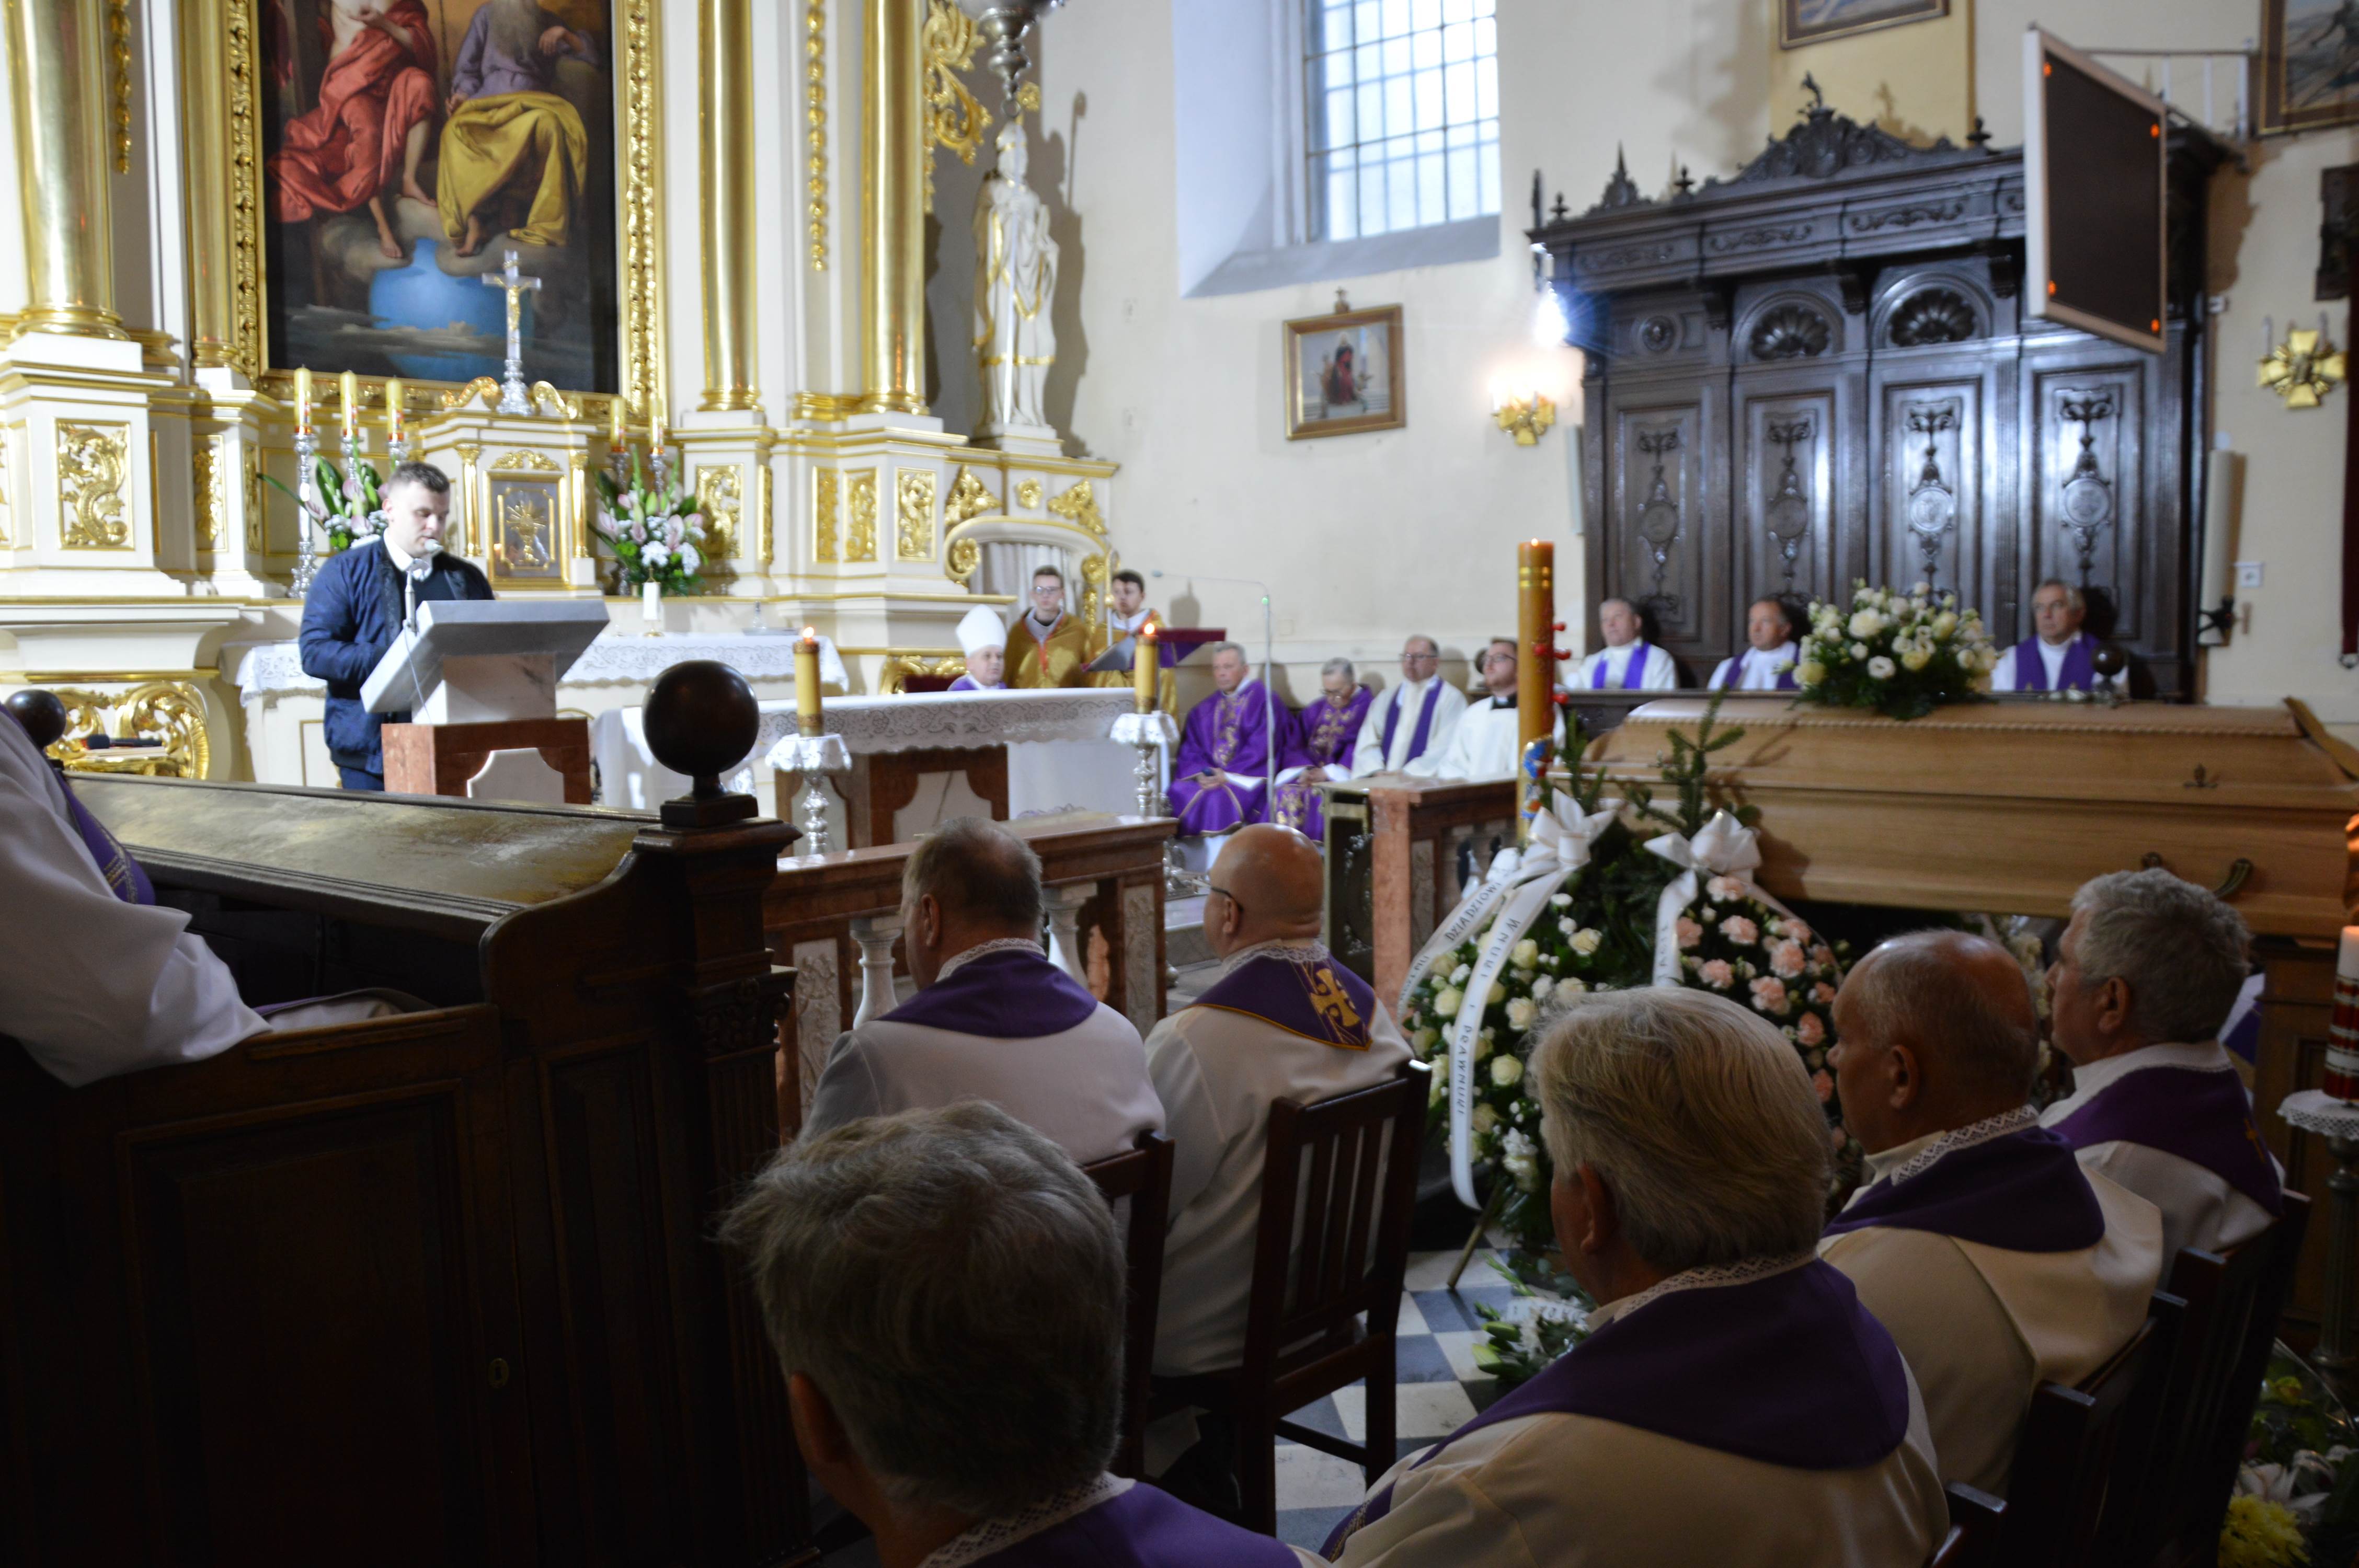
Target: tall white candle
{"type": "Point", "coordinates": [651, 601]}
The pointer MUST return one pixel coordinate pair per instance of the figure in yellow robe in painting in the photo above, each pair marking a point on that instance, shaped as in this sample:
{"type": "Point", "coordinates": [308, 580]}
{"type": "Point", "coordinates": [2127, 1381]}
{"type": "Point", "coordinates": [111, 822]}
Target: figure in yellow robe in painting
{"type": "Point", "coordinates": [1046, 647]}
{"type": "Point", "coordinates": [511, 144]}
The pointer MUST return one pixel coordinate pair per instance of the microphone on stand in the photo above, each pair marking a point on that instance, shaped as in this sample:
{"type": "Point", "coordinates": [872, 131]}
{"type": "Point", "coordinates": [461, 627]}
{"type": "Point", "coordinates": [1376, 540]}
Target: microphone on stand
{"type": "Point", "coordinates": [420, 567]}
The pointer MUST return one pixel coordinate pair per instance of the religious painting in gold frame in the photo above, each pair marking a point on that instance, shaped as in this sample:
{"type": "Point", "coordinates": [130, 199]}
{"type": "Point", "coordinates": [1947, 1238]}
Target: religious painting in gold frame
{"type": "Point", "coordinates": [235, 106]}
{"type": "Point", "coordinates": [1343, 374]}
{"type": "Point", "coordinates": [1802, 22]}
{"type": "Point", "coordinates": [2309, 66]}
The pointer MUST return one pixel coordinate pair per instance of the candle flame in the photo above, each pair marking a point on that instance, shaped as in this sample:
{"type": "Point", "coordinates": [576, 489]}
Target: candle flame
{"type": "Point", "coordinates": [812, 632]}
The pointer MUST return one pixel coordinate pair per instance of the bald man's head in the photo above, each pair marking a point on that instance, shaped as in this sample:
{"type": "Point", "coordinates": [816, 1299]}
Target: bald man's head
{"type": "Point", "coordinates": [1938, 1030]}
{"type": "Point", "coordinates": [1268, 886]}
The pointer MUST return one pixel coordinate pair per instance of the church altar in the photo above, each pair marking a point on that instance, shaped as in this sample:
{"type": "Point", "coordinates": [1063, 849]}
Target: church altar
{"type": "Point", "coordinates": [1052, 748]}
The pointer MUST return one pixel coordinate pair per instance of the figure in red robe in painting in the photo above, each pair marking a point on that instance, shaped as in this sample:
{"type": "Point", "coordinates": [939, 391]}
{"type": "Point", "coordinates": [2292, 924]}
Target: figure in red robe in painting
{"type": "Point", "coordinates": [366, 133]}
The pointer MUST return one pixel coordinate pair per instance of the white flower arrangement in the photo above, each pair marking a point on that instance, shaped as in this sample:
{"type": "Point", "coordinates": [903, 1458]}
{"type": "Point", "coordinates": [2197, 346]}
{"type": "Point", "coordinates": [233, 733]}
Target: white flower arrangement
{"type": "Point", "coordinates": [1901, 654]}
{"type": "Point", "coordinates": [656, 533]}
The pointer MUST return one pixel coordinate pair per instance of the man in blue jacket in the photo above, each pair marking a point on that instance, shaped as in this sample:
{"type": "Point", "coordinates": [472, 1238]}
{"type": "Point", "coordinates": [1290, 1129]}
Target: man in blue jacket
{"type": "Point", "coordinates": [356, 604]}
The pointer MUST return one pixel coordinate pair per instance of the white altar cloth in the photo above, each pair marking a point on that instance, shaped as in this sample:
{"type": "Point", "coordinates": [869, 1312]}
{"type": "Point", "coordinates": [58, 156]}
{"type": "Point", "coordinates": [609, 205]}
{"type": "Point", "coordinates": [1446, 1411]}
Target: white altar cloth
{"type": "Point", "coordinates": [1059, 753]}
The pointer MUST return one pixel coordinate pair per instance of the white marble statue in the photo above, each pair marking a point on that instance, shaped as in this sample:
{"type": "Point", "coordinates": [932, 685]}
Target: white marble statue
{"type": "Point", "coordinates": [1014, 287]}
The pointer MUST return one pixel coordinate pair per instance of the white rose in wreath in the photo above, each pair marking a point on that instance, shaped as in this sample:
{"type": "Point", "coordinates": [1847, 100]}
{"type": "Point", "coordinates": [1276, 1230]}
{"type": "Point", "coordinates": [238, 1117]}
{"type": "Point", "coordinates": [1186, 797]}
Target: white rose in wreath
{"type": "Point", "coordinates": [1880, 668]}
{"type": "Point", "coordinates": [1498, 994]}
{"type": "Point", "coordinates": [1520, 1012]}
{"type": "Point", "coordinates": [1486, 1117]}
{"type": "Point", "coordinates": [1542, 987]}
{"type": "Point", "coordinates": [1505, 1070]}
{"type": "Point", "coordinates": [1585, 940]}
{"type": "Point", "coordinates": [1865, 624]}
{"type": "Point", "coordinates": [1458, 976]}
{"type": "Point", "coordinates": [1525, 955]}
{"type": "Point", "coordinates": [1448, 1002]}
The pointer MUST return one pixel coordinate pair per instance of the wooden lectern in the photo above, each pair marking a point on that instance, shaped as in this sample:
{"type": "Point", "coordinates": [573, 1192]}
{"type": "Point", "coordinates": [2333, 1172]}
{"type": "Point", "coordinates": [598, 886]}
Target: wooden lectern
{"type": "Point", "coordinates": [478, 678]}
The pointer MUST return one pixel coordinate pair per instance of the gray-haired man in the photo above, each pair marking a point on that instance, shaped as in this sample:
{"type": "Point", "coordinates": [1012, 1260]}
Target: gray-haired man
{"type": "Point", "coordinates": [2144, 978]}
{"type": "Point", "coordinates": [993, 1020]}
{"type": "Point", "coordinates": [1414, 718]}
{"type": "Point", "coordinates": [944, 1291]}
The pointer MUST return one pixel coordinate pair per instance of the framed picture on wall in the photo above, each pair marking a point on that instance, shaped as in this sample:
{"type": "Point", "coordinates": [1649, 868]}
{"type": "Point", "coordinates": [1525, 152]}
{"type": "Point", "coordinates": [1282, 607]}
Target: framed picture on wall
{"type": "Point", "coordinates": [1803, 22]}
{"type": "Point", "coordinates": [1343, 374]}
{"type": "Point", "coordinates": [2310, 65]}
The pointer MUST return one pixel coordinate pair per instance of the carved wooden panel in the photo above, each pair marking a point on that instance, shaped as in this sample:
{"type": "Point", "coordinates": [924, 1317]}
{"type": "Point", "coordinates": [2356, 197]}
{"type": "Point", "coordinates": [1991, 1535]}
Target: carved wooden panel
{"type": "Point", "coordinates": [1667, 561]}
{"type": "Point", "coordinates": [2089, 493]}
{"type": "Point", "coordinates": [1930, 518]}
{"type": "Point", "coordinates": [1789, 494]}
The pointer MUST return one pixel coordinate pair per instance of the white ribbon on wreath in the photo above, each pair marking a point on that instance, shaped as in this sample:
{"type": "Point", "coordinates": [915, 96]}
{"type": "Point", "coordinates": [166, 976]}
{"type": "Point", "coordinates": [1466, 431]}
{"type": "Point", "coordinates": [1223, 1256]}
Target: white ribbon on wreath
{"type": "Point", "coordinates": [1562, 837]}
{"type": "Point", "coordinates": [1724, 847]}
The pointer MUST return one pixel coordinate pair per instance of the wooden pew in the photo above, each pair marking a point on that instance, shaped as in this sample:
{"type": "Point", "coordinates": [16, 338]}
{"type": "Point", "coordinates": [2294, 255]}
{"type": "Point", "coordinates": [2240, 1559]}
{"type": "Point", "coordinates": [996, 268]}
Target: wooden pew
{"type": "Point", "coordinates": [2007, 807]}
{"type": "Point", "coordinates": [434, 1288]}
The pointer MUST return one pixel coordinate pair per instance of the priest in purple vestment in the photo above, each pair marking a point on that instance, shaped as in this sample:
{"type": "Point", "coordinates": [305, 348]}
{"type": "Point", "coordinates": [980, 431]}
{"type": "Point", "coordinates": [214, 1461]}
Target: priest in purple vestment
{"type": "Point", "coordinates": [1771, 649]}
{"type": "Point", "coordinates": [2058, 655]}
{"type": "Point", "coordinates": [2144, 977]}
{"type": "Point", "coordinates": [1734, 1405]}
{"type": "Point", "coordinates": [1998, 1263]}
{"type": "Point", "coordinates": [944, 1290]}
{"type": "Point", "coordinates": [1327, 733]}
{"type": "Point", "coordinates": [1219, 780]}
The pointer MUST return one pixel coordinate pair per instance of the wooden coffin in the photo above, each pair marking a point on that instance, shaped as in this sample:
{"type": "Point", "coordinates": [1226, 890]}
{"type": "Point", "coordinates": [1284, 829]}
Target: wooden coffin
{"type": "Point", "coordinates": [437, 1288]}
{"type": "Point", "coordinates": [2009, 807]}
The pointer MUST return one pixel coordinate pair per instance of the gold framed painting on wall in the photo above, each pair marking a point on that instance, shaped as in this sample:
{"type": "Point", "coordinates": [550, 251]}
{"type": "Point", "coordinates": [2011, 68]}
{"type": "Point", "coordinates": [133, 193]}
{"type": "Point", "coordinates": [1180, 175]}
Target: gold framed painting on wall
{"type": "Point", "coordinates": [1343, 374]}
{"type": "Point", "coordinates": [342, 155]}
{"type": "Point", "coordinates": [1803, 22]}
{"type": "Point", "coordinates": [2310, 65]}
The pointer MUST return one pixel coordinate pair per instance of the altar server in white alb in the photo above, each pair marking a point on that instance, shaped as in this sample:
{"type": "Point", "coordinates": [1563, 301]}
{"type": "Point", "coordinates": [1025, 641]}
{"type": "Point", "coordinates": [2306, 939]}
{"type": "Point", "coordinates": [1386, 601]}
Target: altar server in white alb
{"type": "Point", "coordinates": [993, 1020]}
{"type": "Point", "coordinates": [2145, 975]}
{"type": "Point", "coordinates": [2058, 655]}
{"type": "Point", "coordinates": [1627, 662]}
{"type": "Point", "coordinates": [1482, 743]}
{"type": "Point", "coordinates": [1413, 719]}
{"type": "Point", "coordinates": [983, 640]}
{"type": "Point", "coordinates": [1767, 662]}
{"type": "Point", "coordinates": [1994, 1260]}
{"type": "Point", "coordinates": [1735, 1405]}
{"type": "Point", "coordinates": [1283, 1020]}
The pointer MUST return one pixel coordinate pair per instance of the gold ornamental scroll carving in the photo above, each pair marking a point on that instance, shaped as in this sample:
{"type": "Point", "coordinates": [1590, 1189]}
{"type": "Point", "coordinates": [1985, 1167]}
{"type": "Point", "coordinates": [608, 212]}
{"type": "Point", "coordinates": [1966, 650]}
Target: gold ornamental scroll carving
{"type": "Point", "coordinates": [1079, 505]}
{"type": "Point", "coordinates": [913, 536]}
{"type": "Point", "coordinates": [221, 129]}
{"type": "Point", "coordinates": [93, 465]}
{"type": "Point", "coordinates": [825, 490]}
{"type": "Point", "coordinates": [212, 491]}
{"type": "Point", "coordinates": [953, 120]}
{"type": "Point", "coordinates": [254, 499]}
{"type": "Point", "coordinates": [118, 60]}
{"type": "Point", "coordinates": [720, 495]}
{"type": "Point", "coordinates": [815, 116]}
{"type": "Point", "coordinates": [860, 533]}
{"type": "Point", "coordinates": [1027, 493]}
{"type": "Point", "coordinates": [171, 713]}
{"type": "Point", "coordinates": [524, 519]}
{"type": "Point", "coordinates": [766, 535]}
{"type": "Point", "coordinates": [968, 498]}
{"type": "Point", "coordinates": [899, 668]}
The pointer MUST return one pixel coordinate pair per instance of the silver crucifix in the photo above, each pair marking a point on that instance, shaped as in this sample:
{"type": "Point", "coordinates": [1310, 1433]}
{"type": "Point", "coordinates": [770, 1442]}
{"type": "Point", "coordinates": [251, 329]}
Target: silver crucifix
{"type": "Point", "coordinates": [515, 398]}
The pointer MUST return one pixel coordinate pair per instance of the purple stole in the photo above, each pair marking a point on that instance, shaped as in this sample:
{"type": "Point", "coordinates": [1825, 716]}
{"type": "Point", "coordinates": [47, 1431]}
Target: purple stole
{"type": "Point", "coordinates": [1321, 1000]}
{"type": "Point", "coordinates": [2078, 673]}
{"type": "Point", "coordinates": [1005, 995]}
{"type": "Point", "coordinates": [2199, 1115]}
{"type": "Point", "coordinates": [1789, 1370]}
{"type": "Point", "coordinates": [1735, 676]}
{"type": "Point", "coordinates": [1633, 673]}
{"type": "Point", "coordinates": [1329, 741]}
{"type": "Point", "coordinates": [1424, 729]}
{"type": "Point", "coordinates": [968, 683]}
{"type": "Point", "coordinates": [2023, 1193]}
{"type": "Point", "coordinates": [1144, 1527]}
{"type": "Point", "coordinates": [124, 876]}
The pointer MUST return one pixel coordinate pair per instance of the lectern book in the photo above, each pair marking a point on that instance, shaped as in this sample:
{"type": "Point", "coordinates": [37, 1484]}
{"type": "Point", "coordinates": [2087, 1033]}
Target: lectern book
{"type": "Point", "coordinates": [479, 661]}
{"type": "Point", "coordinates": [1172, 645]}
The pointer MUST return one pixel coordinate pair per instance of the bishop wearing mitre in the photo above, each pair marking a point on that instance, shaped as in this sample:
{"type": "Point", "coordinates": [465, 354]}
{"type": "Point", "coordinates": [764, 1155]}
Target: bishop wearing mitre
{"type": "Point", "coordinates": [983, 641]}
{"type": "Point", "coordinates": [1046, 647]}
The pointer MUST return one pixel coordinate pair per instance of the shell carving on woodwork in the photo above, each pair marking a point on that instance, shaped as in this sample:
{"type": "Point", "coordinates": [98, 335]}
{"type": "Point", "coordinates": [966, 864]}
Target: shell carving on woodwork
{"type": "Point", "coordinates": [1933, 315]}
{"type": "Point", "coordinates": [1790, 332]}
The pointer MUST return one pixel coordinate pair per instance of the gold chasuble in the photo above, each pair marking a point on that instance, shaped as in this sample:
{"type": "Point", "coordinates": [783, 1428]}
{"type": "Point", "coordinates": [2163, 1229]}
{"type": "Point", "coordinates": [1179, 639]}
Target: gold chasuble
{"type": "Point", "coordinates": [1056, 660]}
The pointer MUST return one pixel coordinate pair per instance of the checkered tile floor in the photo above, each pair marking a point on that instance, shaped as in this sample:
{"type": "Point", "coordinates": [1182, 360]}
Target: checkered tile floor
{"type": "Point", "coordinates": [1438, 1390]}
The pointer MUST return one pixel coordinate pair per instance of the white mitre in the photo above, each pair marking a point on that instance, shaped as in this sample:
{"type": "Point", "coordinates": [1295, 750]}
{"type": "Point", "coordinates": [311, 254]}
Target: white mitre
{"type": "Point", "coordinates": [981, 630]}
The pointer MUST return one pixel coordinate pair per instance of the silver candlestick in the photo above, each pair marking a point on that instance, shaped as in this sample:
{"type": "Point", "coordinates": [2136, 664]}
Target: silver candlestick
{"type": "Point", "coordinates": [1150, 777]}
{"type": "Point", "coordinates": [811, 814]}
{"type": "Point", "coordinates": [307, 455]}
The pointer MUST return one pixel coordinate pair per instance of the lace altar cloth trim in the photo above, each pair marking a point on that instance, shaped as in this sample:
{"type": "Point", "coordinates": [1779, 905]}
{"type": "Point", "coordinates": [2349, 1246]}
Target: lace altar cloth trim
{"type": "Point", "coordinates": [924, 720]}
{"type": "Point", "coordinates": [268, 669]}
{"type": "Point", "coordinates": [2315, 1110]}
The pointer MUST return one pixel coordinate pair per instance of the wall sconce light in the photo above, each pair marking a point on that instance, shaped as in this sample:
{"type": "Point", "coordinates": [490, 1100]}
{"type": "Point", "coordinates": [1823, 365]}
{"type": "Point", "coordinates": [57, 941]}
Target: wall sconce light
{"type": "Point", "coordinates": [2304, 368]}
{"type": "Point", "coordinates": [1523, 418]}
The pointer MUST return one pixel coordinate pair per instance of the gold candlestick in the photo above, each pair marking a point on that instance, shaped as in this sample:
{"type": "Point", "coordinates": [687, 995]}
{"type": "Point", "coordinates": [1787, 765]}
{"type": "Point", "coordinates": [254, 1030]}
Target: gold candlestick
{"type": "Point", "coordinates": [1145, 668]}
{"type": "Point", "coordinates": [302, 401]}
{"type": "Point", "coordinates": [806, 714]}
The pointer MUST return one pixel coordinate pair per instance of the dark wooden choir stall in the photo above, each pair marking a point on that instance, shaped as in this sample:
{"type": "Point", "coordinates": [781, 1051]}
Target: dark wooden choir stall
{"type": "Point", "coordinates": [437, 1288]}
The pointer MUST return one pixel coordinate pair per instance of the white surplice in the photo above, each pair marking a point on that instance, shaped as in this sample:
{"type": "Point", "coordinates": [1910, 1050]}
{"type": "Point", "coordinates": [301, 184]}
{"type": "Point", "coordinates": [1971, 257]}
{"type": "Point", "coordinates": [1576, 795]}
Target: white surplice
{"type": "Point", "coordinates": [1084, 1088]}
{"type": "Point", "coordinates": [1574, 1491]}
{"type": "Point", "coordinates": [2200, 1207]}
{"type": "Point", "coordinates": [1761, 670]}
{"type": "Point", "coordinates": [1370, 755]}
{"type": "Point", "coordinates": [1218, 1073]}
{"type": "Point", "coordinates": [1483, 745]}
{"type": "Point", "coordinates": [1660, 673]}
{"type": "Point", "coordinates": [1981, 1327]}
{"type": "Point", "coordinates": [112, 987]}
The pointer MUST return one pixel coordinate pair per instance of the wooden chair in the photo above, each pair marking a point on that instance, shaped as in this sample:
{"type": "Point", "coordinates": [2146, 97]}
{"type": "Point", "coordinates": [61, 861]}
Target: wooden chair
{"type": "Point", "coordinates": [1976, 1522]}
{"type": "Point", "coordinates": [2233, 1305]}
{"type": "Point", "coordinates": [2083, 1449]}
{"type": "Point", "coordinates": [1144, 1176]}
{"type": "Point", "coordinates": [1327, 1254]}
